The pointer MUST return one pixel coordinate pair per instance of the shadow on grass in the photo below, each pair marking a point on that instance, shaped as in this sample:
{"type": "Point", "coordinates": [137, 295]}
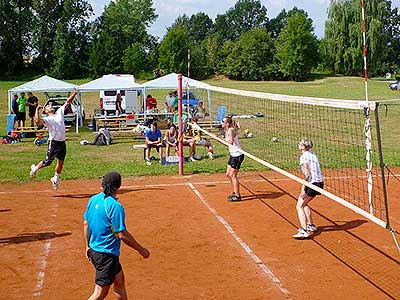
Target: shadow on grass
{"type": "Point", "coordinates": [32, 237]}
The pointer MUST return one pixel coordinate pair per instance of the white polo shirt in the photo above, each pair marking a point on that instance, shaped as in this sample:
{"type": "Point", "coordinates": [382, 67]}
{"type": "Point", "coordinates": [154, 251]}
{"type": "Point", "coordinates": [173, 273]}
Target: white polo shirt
{"type": "Point", "coordinates": [56, 126]}
{"type": "Point", "coordinates": [311, 159]}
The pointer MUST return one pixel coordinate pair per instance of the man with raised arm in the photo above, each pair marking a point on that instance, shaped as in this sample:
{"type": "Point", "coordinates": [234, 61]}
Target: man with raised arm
{"type": "Point", "coordinates": [54, 121]}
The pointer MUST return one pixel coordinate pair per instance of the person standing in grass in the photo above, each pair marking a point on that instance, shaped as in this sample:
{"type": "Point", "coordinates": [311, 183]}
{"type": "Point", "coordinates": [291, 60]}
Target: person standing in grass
{"type": "Point", "coordinates": [311, 169]}
{"type": "Point", "coordinates": [104, 228]}
{"type": "Point", "coordinates": [235, 159]}
{"type": "Point", "coordinates": [54, 121]}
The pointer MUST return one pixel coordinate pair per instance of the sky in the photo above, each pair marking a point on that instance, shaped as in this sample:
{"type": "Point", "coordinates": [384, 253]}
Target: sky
{"type": "Point", "coordinates": [168, 10]}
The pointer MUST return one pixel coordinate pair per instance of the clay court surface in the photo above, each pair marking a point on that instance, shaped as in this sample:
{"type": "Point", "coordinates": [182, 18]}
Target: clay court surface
{"type": "Point", "coordinates": [202, 247]}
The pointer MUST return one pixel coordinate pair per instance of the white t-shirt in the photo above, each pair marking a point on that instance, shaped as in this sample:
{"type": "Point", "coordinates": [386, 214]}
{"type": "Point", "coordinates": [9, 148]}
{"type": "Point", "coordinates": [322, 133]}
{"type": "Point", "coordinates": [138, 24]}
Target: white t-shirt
{"type": "Point", "coordinates": [311, 159]}
{"type": "Point", "coordinates": [170, 101]}
{"type": "Point", "coordinates": [56, 126]}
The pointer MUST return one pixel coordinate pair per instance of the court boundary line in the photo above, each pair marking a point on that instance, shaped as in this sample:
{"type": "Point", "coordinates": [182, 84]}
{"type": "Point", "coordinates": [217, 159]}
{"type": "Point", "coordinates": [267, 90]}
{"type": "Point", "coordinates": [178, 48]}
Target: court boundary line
{"type": "Point", "coordinates": [245, 247]}
{"type": "Point", "coordinates": [164, 184]}
{"type": "Point", "coordinates": [43, 261]}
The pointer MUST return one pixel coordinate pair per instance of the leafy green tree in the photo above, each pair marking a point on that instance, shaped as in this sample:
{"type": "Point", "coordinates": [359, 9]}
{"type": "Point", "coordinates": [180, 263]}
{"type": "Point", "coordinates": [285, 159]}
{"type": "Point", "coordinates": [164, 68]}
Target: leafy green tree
{"type": "Point", "coordinates": [297, 47]}
{"type": "Point", "coordinates": [343, 36]}
{"type": "Point", "coordinates": [72, 41]}
{"type": "Point", "coordinates": [136, 60]}
{"type": "Point", "coordinates": [244, 16]}
{"type": "Point", "coordinates": [123, 23]}
{"type": "Point", "coordinates": [48, 14]}
{"type": "Point", "coordinates": [173, 51]}
{"type": "Point", "coordinates": [15, 35]}
{"type": "Point", "coordinates": [251, 57]}
{"type": "Point", "coordinates": [276, 24]}
{"type": "Point", "coordinates": [200, 26]}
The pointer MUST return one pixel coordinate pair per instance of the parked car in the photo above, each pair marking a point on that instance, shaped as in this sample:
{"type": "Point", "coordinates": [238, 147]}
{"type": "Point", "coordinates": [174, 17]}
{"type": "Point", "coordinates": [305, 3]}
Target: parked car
{"type": "Point", "coordinates": [395, 85]}
{"type": "Point", "coordinates": [71, 111]}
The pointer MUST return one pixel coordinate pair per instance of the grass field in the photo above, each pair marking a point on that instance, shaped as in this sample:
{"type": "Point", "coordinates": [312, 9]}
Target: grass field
{"type": "Point", "coordinates": [92, 162]}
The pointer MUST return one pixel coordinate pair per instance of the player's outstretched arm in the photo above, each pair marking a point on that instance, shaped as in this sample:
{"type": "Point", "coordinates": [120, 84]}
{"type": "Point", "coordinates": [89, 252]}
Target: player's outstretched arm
{"type": "Point", "coordinates": [38, 119]}
{"type": "Point", "coordinates": [130, 241]}
{"type": "Point", "coordinates": [71, 98]}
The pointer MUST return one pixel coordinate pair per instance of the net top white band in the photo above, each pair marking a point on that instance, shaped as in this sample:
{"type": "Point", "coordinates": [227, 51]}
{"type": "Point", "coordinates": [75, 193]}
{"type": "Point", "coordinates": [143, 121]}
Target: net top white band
{"type": "Point", "coordinates": [337, 103]}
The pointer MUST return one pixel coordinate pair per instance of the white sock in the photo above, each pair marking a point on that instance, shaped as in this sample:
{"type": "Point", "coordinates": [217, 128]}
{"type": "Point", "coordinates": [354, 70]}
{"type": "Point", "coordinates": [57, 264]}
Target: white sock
{"type": "Point", "coordinates": [56, 176]}
{"type": "Point", "coordinates": [35, 168]}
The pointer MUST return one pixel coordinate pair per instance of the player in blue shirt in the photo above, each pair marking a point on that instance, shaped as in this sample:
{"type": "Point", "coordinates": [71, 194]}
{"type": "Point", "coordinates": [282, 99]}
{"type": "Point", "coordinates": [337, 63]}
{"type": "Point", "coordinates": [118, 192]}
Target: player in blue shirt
{"type": "Point", "coordinates": [104, 228]}
{"type": "Point", "coordinates": [153, 140]}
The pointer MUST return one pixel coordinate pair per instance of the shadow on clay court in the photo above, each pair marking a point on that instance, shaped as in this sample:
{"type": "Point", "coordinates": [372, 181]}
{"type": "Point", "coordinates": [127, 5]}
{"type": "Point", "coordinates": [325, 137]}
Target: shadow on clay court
{"type": "Point", "coordinates": [32, 237]}
{"type": "Point", "coordinates": [4, 210]}
{"type": "Point", "coordinates": [345, 226]}
{"type": "Point", "coordinates": [87, 196]}
{"type": "Point", "coordinates": [271, 195]}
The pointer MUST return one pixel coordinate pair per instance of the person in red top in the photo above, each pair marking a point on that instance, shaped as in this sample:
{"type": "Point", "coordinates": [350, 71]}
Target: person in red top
{"type": "Point", "coordinates": [151, 102]}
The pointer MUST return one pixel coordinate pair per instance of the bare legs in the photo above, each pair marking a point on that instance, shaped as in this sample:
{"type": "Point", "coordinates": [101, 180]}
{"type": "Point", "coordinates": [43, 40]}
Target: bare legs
{"type": "Point", "coordinates": [100, 292]}
{"type": "Point", "coordinates": [303, 210]}
{"type": "Point", "coordinates": [231, 173]}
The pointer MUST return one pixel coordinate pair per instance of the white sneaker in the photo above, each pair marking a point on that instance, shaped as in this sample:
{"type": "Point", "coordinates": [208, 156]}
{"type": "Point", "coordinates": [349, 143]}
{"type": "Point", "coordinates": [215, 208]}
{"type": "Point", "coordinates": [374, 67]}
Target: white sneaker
{"type": "Point", "coordinates": [54, 182]}
{"type": "Point", "coordinates": [191, 158]}
{"type": "Point", "coordinates": [196, 157]}
{"type": "Point", "coordinates": [33, 171]}
{"type": "Point", "coordinates": [312, 228]}
{"type": "Point", "coordinates": [301, 234]}
{"type": "Point", "coordinates": [211, 155]}
{"type": "Point", "coordinates": [148, 162]}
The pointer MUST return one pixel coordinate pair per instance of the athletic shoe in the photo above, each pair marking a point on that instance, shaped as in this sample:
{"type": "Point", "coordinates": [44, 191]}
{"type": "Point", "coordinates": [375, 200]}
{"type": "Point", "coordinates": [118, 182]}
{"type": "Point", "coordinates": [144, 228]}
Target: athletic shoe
{"type": "Point", "coordinates": [211, 155]}
{"type": "Point", "coordinates": [33, 171]}
{"type": "Point", "coordinates": [192, 158]}
{"type": "Point", "coordinates": [148, 162]}
{"type": "Point", "coordinates": [301, 234]}
{"type": "Point", "coordinates": [312, 228]}
{"type": "Point", "coordinates": [229, 197]}
{"type": "Point", "coordinates": [234, 198]}
{"type": "Point", "coordinates": [54, 182]}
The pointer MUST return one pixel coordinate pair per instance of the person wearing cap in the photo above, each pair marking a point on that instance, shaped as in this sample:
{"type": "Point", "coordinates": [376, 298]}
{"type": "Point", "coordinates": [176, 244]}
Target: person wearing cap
{"type": "Point", "coordinates": [54, 121]}
{"type": "Point", "coordinates": [104, 228]}
{"type": "Point", "coordinates": [311, 169]}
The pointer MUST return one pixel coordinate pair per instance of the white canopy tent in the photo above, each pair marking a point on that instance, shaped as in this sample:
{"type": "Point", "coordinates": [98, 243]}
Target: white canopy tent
{"type": "Point", "coordinates": [170, 81]}
{"type": "Point", "coordinates": [44, 84]}
{"type": "Point", "coordinates": [110, 82]}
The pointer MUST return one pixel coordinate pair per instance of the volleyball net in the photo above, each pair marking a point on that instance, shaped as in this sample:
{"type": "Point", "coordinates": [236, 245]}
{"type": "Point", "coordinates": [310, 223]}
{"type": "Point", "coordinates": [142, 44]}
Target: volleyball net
{"type": "Point", "coordinates": [345, 134]}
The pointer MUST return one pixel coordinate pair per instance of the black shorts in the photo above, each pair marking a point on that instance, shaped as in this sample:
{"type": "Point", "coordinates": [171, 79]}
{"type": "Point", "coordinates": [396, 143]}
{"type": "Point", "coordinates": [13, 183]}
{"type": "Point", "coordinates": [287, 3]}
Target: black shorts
{"type": "Point", "coordinates": [21, 116]}
{"type": "Point", "coordinates": [158, 146]}
{"type": "Point", "coordinates": [312, 193]}
{"type": "Point", "coordinates": [107, 267]}
{"type": "Point", "coordinates": [235, 161]}
{"type": "Point", "coordinates": [57, 150]}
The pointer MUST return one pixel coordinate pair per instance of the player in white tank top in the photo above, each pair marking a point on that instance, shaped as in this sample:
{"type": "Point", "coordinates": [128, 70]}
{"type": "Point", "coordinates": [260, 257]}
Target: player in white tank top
{"type": "Point", "coordinates": [235, 159]}
{"type": "Point", "coordinates": [312, 173]}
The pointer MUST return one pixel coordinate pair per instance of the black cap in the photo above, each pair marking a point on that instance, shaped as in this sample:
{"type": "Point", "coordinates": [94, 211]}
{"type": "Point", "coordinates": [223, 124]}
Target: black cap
{"type": "Point", "coordinates": [111, 182]}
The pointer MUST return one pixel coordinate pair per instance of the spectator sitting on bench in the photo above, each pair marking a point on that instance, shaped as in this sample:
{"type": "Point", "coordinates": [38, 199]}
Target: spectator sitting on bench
{"type": "Point", "coordinates": [200, 141]}
{"type": "Point", "coordinates": [153, 140]}
{"type": "Point", "coordinates": [171, 139]}
{"type": "Point", "coordinates": [188, 140]}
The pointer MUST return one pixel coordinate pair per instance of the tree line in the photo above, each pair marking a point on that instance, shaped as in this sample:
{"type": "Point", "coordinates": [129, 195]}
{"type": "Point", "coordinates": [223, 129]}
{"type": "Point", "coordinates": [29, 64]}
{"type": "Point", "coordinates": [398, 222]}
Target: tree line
{"type": "Point", "coordinates": [63, 39]}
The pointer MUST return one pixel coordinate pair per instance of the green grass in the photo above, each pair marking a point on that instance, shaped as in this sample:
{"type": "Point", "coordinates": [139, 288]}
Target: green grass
{"type": "Point", "coordinates": [93, 161]}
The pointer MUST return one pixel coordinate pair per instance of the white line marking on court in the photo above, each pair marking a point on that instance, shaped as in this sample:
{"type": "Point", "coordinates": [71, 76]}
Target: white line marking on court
{"type": "Point", "coordinates": [173, 184]}
{"type": "Point", "coordinates": [43, 261]}
{"type": "Point", "coordinates": [246, 248]}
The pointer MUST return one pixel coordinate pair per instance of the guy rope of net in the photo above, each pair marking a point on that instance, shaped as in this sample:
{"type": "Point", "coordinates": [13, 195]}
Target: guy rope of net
{"type": "Point", "coordinates": [278, 122]}
{"type": "Point", "coordinates": [368, 131]}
